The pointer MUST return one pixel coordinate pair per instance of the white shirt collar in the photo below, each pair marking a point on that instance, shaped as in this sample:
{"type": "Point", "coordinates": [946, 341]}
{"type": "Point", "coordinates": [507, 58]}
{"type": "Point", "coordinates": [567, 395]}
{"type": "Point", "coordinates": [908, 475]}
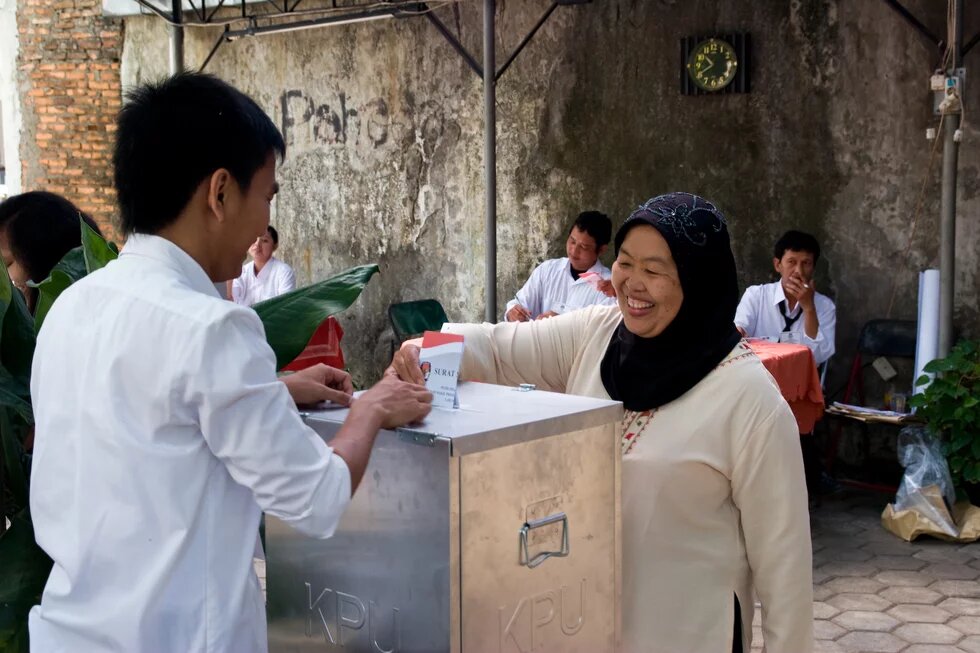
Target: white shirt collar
{"type": "Point", "coordinates": [167, 252]}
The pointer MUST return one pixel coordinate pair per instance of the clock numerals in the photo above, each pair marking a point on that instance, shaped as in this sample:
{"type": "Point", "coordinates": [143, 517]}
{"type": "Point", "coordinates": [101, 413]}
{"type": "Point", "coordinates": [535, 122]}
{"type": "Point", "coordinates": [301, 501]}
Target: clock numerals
{"type": "Point", "coordinates": [712, 64]}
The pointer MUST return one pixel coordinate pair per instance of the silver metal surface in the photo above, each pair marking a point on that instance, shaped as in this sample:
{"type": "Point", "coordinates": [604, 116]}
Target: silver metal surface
{"type": "Point", "coordinates": [428, 557]}
{"type": "Point", "coordinates": [566, 604]}
{"type": "Point", "coordinates": [492, 416]}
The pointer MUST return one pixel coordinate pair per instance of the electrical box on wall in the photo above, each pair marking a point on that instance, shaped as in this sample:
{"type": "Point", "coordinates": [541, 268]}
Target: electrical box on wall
{"type": "Point", "coordinates": [946, 86]}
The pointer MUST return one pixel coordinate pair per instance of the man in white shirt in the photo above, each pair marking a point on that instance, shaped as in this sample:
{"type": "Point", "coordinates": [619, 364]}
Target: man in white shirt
{"type": "Point", "coordinates": [565, 284]}
{"type": "Point", "coordinates": [791, 304]}
{"type": "Point", "coordinates": [162, 432]}
{"type": "Point", "coordinates": [265, 276]}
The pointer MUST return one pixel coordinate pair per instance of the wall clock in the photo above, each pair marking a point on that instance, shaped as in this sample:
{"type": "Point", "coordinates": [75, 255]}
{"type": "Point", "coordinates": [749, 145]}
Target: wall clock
{"type": "Point", "coordinates": [715, 64]}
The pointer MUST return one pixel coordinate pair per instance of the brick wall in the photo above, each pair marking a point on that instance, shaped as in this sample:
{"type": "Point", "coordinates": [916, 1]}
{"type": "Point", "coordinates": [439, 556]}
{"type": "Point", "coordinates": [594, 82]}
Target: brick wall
{"type": "Point", "coordinates": [69, 81]}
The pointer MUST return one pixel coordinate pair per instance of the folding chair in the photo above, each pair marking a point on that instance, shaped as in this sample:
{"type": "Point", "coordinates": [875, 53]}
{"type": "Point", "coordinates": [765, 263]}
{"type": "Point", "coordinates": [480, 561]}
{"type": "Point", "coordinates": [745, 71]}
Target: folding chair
{"type": "Point", "coordinates": [892, 338]}
{"type": "Point", "coordinates": [410, 319]}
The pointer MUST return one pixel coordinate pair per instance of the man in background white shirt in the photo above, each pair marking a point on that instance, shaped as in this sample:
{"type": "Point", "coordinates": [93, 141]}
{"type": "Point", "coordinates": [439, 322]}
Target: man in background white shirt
{"type": "Point", "coordinates": [561, 285]}
{"type": "Point", "coordinates": [162, 430]}
{"type": "Point", "coordinates": [791, 304]}
{"type": "Point", "coordinates": [265, 276]}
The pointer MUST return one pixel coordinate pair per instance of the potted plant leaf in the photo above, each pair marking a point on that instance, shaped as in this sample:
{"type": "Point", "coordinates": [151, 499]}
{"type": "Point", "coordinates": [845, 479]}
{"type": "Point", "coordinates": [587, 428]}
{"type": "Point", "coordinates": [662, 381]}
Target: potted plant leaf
{"type": "Point", "coordinates": [950, 407]}
{"type": "Point", "coordinates": [289, 322]}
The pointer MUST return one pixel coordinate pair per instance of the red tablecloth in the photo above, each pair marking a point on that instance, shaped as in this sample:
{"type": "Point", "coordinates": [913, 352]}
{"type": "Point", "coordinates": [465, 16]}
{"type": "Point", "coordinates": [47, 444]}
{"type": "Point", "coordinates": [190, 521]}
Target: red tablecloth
{"type": "Point", "coordinates": [323, 347]}
{"type": "Point", "coordinates": [795, 371]}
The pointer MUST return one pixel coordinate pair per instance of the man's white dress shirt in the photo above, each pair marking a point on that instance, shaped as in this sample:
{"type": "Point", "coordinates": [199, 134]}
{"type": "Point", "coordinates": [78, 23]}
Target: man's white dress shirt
{"type": "Point", "coordinates": [274, 279]}
{"type": "Point", "coordinates": [552, 288]}
{"type": "Point", "coordinates": [162, 434]}
{"type": "Point", "coordinates": [759, 314]}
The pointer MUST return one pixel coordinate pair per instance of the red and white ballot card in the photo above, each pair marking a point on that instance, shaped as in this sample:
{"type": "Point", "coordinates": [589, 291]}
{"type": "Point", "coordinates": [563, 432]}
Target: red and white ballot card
{"type": "Point", "coordinates": [440, 358]}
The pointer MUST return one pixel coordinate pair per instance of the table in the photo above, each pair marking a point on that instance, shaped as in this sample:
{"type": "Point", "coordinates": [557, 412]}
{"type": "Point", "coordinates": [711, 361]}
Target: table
{"type": "Point", "coordinates": [323, 347]}
{"type": "Point", "coordinates": [796, 374]}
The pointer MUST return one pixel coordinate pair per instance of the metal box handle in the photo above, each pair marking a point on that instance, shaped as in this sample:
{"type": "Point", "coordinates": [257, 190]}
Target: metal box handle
{"type": "Point", "coordinates": [544, 555]}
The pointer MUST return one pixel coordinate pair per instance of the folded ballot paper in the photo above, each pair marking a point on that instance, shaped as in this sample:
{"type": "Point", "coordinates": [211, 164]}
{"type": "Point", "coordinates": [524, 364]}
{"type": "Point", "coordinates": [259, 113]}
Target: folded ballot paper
{"type": "Point", "coordinates": [440, 358]}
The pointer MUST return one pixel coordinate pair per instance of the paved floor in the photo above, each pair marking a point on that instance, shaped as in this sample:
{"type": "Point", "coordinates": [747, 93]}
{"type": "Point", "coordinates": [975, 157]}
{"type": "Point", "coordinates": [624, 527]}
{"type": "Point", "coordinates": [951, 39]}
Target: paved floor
{"type": "Point", "coordinates": [873, 592]}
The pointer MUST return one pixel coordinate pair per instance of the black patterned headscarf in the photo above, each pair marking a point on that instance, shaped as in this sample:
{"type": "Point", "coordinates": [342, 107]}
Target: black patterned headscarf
{"type": "Point", "coordinates": [645, 373]}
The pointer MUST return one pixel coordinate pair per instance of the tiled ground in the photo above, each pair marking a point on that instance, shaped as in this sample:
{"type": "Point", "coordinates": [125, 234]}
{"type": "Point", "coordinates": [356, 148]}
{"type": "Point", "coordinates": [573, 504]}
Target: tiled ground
{"type": "Point", "coordinates": [873, 592]}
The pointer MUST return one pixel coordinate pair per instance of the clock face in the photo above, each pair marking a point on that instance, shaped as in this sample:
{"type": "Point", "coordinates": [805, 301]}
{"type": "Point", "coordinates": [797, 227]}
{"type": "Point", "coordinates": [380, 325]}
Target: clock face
{"type": "Point", "coordinates": [712, 64]}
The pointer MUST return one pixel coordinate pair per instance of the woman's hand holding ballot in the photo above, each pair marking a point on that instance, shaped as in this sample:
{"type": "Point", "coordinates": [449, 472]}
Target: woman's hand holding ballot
{"type": "Point", "coordinates": [405, 364]}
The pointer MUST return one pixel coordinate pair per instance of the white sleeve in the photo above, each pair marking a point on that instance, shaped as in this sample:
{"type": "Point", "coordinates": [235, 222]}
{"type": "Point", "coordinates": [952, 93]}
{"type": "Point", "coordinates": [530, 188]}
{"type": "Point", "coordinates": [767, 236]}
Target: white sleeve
{"type": "Point", "coordinates": [238, 289]}
{"type": "Point", "coordinates": [746, 315]}
{"type": "Point", "coordinates": [823, 345]}
{"type": "Point", "coordinates": [286, 280]}
{"type": "Point", "coordinates": [540, 352]}
{"type": "Point", "coordinates": [769, 490]}
{"type": "Point", "coordinates": [529, 296]}
{"type": "Point", "coordinates": [251, 425]}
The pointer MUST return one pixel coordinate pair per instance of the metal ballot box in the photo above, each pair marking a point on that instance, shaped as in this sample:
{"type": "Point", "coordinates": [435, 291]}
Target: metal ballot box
{"type": "Point", "coordinates": [494, 527]}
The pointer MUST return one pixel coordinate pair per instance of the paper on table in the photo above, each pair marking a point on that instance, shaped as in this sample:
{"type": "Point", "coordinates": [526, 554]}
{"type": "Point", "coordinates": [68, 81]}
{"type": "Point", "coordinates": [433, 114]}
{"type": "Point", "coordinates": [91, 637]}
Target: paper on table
{"type": "Point", "coordinates": [440, 358]}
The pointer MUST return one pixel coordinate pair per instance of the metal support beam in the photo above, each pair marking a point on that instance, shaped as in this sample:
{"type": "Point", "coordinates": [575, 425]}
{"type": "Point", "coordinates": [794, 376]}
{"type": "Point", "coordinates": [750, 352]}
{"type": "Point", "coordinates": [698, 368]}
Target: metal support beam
{"type": "Point", "coordinates": [915, 23]}
{"type": "Point", "coordinates": [176, 39]}
{"type": "Point", "coordinates": [454, 42]}
{"type": "Point", "coordinates": [527, 39]}
{"type": "Point", "coordinates": [490, 154]}
{"type": "Point", "coordinates": [947, 229]}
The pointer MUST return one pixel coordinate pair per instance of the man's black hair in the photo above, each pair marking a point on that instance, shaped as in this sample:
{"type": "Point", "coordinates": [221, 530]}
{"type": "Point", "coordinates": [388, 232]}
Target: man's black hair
{"type": "Point", "coordinates": [174, 134]}
{"type": "Point", "coordinates": [598, 225]}
{"type": "Point", "coordinates": [273, 234]}
{"type": "Point", "coordinates": [41, 228]}
{"type": "Point", "coordinates": [797, 241]}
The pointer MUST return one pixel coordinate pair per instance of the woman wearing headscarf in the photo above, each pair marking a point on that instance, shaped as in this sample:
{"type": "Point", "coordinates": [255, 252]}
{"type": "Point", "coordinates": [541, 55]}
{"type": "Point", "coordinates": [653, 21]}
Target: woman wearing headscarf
{"type": "Point", "coordinates": [714, 499]}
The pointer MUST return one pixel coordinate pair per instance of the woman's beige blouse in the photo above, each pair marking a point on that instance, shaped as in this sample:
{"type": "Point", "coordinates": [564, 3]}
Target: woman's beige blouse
{"type": "Point", "coordinates": [714, 497]}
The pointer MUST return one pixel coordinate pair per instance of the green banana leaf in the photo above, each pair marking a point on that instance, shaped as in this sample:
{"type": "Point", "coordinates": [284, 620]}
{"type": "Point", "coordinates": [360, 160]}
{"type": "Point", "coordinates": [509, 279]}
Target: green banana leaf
{"type": "Point", "coordinates": [97, 250]}
{"type": "Point", "coordinates": [25, 571]}
{"type": "Point", "coordinates": [14, 471]}
{"type": "Point", "coordinates": [16, 338]}
{"type": "Point", "coordinates": [68, 270]}
{"type": "Point", "coordinates": [291, 319]}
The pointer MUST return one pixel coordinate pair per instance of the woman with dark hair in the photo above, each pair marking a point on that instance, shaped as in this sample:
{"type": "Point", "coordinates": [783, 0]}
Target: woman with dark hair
{"type": "Point", "coordinates": [36, 230]}
{"type": "Point", "coordinates": [714, 500]}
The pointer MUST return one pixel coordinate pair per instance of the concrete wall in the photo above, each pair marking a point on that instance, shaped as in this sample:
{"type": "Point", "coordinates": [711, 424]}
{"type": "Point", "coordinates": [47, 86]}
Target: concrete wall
{"type": "Point", "coordinates": [384, 128]}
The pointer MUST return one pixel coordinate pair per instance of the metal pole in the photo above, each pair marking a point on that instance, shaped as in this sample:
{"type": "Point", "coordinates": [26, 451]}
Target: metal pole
{"type": "Point", "coordinates": [176, 39]}
{"type": "Point", "coordinates": [490, 154]}
{"type": "Point", "coordinates": [947, 229]}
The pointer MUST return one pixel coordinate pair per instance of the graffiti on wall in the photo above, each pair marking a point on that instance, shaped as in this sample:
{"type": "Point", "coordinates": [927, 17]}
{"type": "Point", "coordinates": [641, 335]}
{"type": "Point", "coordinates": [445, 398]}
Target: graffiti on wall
{"type": "Point", "coordinates": [307, 121]}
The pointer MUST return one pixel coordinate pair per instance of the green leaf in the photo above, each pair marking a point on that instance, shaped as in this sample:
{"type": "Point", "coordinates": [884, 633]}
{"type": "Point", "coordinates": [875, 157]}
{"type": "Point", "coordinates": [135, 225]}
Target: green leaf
{"type": "Point", "coordinates": [16, 332]}
{"type": "Point", "coordinates": [970, 402]}
{"type": "Point", "coordinates": [939, 365]}
{"type": "Point", "coordinates": [16, 477]}
{"type": "Point", "coordinates": [97, 251]}
{"type": "Point", "coordinates": [48, 291]}
{"type": "Point", "coordinates": [25, 571]}
{"type": "Point", "coordinates": [291, 319]}
{"type": "Point", "coordinates": [923, 380]}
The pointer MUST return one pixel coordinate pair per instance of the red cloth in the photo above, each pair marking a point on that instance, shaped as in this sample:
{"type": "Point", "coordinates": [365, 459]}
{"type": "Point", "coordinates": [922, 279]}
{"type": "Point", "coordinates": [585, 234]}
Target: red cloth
{"type": "Point", "coordinates": [323, 347]}
{"type": "Point", "coordinates": [796, 374]}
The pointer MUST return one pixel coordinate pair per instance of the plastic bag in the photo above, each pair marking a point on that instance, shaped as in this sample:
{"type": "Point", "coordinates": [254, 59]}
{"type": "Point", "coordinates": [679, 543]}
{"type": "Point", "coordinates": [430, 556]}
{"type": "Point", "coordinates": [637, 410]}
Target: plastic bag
{"type": "Point", "coordinates": [926, 471]}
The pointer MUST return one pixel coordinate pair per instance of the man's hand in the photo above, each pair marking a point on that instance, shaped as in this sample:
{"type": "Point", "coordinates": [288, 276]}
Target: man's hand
{"type": "Point", "coordinates": [740, 330]}
{"type": "Point", "coordinates": [405, 364]}
{"type": "Point", "coordinates": [606, 288]}
{"type": "Point", "coordinates": [800, 290]}
{"type": "Point", "coordinates": [546, 315]}
{"type": "Point", "coordinates": [389, 404]}
{"type": "Point", "coordinates": [319, 383]}
{"type": "Point", "coordinates": [518, 314]}
{"type": "Point", "coordinates": [394, 402]}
